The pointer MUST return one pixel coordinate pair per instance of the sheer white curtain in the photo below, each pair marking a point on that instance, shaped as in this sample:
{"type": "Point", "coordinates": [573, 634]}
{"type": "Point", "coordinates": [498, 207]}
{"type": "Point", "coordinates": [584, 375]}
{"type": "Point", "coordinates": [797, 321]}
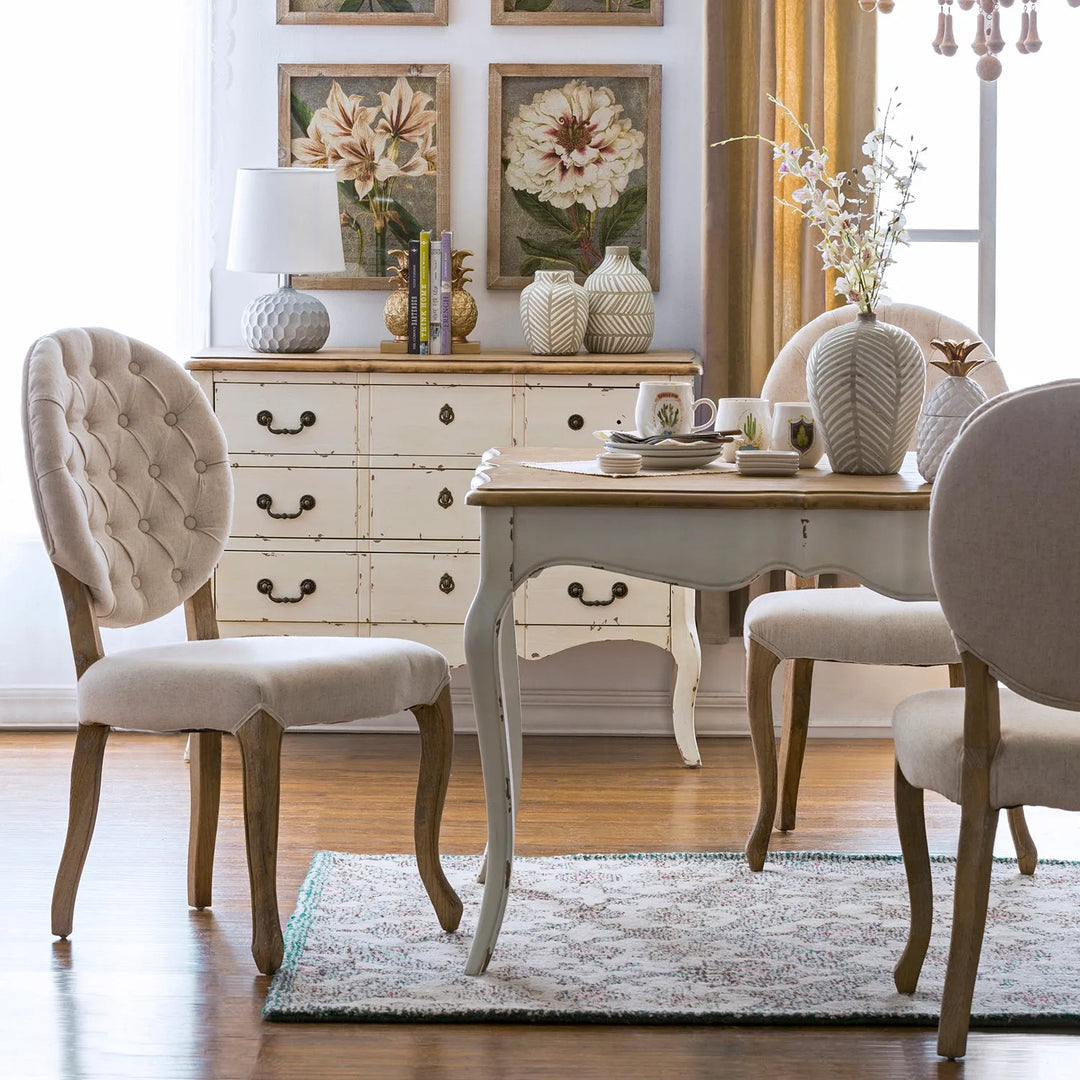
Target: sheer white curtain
{"type": "Point", "coordinates": [101, 226]}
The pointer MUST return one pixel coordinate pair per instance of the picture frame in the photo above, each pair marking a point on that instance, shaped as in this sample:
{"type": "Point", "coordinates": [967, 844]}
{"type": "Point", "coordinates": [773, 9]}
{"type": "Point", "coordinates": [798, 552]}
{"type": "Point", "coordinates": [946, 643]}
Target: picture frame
{"type": "Point", "coordinates": [549, 216]}
{"type": "Point", "coordinates": [577, 12]}
{"type": "Point", "coordinates": [396, 171]}
{"type": "Point", "coordinates": [362, 12]}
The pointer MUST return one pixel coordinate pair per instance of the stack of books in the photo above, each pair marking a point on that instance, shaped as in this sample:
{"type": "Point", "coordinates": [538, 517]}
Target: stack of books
{"type": "Point", "coordinates": [430, 281]}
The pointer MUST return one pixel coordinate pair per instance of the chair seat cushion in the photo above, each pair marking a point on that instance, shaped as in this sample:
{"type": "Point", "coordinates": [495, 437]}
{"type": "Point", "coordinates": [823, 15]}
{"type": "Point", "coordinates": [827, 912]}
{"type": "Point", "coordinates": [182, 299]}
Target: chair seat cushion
{"type": "Point", "coordinates": [853, 626]}
{"type": "Point", "coordinates": [1037, 761]}
{"type": "Point", "coordinates": [218, 685]}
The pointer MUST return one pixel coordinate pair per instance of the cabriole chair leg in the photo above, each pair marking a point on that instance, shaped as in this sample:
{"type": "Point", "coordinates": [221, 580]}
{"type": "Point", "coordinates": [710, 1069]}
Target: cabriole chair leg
{"type": "Point", "coordinates": [205, 758]}
{"type": "Point", "coordinates": [82, 813]}
{"type": "Point", "coordinates": [911, 825]}
{"type": "Point", "coordinates": [796, 719]}
{"type": "Point", "coordinates": [760, 665]}
{"type": "Point", "coordinates": [260, 753]}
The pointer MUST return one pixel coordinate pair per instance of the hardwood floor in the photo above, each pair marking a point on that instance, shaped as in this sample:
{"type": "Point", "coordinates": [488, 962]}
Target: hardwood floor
{"type": "Point", "coordinates": [148, 988]}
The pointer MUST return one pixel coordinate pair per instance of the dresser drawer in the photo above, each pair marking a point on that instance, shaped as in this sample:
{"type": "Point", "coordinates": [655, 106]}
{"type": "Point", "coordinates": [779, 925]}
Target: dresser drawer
{"type": "Point", "coordinates": [440, 420]}
{"type": "Point", "coordinates": [568, 415]}
{"type": "Point", "coordinates": [422, 588]}
{"type": "Point", "coordinates": [295, 502]}
{"type": "Point", "coordinates": [336, 597]}
{"type": "Point", "coordinates": [549, 599]}
{"type": "Point", "coordinates": [279, 418]}
{"type": "Point", "coordinates": [425, 504]}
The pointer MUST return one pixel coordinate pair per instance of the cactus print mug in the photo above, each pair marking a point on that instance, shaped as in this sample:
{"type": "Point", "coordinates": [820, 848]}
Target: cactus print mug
{"type": "Point", "coordinates": [669, 408]}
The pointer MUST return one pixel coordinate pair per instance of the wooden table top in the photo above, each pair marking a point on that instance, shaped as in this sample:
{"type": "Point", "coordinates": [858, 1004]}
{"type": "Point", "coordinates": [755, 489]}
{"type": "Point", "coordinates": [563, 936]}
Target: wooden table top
{"type": "Point", "coordinates": [502, 480]}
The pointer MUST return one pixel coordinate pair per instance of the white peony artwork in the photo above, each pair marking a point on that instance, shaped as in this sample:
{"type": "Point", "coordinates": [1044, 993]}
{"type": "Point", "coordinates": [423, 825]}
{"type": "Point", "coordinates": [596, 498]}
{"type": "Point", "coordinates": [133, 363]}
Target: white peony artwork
{"type": "Point", "coordinates": [574, 168]}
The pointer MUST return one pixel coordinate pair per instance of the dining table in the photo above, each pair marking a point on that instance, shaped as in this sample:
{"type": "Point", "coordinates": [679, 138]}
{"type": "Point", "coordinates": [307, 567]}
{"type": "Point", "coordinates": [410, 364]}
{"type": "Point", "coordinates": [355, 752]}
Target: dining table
{"type": "Point", "coordinates": [706, 528]}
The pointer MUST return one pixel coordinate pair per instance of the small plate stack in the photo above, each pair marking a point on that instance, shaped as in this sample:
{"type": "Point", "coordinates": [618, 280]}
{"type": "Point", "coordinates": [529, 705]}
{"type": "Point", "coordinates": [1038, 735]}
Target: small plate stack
{"type": "Point", "coordinates": [618, 462]}
{"type": "Point", "coordinates": [767, 462]}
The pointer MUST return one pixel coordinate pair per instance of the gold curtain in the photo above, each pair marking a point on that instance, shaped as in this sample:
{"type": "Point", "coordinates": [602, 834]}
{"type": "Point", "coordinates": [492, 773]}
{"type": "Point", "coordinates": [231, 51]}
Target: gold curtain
{"type": "Point", "coordinates": [762, 275]}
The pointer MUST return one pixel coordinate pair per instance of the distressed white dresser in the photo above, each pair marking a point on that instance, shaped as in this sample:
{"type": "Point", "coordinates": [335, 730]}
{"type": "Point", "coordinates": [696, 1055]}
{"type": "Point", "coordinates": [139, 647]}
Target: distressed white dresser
{"type": "Point", "coordinates": [351, 469]}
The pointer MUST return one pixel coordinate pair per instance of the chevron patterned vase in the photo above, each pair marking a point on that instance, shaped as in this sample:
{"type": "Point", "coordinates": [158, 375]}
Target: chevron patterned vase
{"type": "Point", "coordinates": [865, 382]}
{"type": "Point", "coordinates": [621, 313]}
{"type": "Point", "coordinates": [554, 310]}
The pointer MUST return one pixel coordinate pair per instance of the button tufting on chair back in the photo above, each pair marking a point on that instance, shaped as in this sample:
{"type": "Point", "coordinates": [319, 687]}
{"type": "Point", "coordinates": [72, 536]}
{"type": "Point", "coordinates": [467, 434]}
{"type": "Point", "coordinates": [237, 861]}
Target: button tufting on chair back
{"type": "Point", "coordinates": [129, 469]}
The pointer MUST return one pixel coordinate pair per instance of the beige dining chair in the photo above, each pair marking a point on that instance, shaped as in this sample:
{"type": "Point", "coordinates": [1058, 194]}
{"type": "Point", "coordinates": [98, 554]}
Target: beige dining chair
{"type": "Point", "coordinates": [132, 485]}
{"type": "Point", "coordinates": [1010, 519]}
{"type": "Point", "coordinates": [847, 625]}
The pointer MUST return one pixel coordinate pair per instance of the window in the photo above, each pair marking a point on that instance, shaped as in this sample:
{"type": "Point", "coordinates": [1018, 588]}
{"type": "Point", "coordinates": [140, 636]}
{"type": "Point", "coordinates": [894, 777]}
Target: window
{"type": "Point", "coordinates": [992, 242]}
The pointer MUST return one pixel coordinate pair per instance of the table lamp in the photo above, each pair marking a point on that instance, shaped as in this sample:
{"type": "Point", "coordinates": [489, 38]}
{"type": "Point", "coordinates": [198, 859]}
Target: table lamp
{"type": "Point", "coordinates": [285, 222]}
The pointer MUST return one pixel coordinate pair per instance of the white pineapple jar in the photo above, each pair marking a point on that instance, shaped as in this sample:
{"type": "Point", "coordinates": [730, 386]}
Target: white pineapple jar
{"type": "Point", "coordinates": [621, 313]}
{"type": "Point", "coordinates": [950, 403]}
{"type": "Point", "coordinates": [554, 312]}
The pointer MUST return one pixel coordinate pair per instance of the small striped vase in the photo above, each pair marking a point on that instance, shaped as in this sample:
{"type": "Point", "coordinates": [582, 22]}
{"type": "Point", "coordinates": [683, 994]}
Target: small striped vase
{"type": "Point", "coordinates": [621, 313]}
{"type": "Point", "coordinates": [865, 380]}
{"type": "Point", "coordinates": [554, 309]}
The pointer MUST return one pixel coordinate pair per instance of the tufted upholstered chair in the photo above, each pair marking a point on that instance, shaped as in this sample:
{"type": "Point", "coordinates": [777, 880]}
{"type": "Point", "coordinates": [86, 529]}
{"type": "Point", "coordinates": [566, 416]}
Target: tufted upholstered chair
{"type": "Point", "coordinates": [133, 492]}
{"type": "Point", "coordinates": [851, 626]}
{"type": "Point", "coordinates": [984, 747]}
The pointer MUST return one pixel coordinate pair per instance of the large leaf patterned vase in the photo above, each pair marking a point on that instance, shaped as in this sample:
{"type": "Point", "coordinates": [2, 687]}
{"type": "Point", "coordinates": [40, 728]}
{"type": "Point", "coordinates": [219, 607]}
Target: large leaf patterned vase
{"type": "Point", "coordinates": [621, 315]}
{"type": "Point", "coordinates": [865, 381]}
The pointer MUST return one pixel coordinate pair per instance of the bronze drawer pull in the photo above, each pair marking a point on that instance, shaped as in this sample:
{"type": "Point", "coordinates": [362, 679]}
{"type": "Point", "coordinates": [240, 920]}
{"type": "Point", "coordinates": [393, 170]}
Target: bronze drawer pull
{"type": "Point", "coordinates": [446, 499]}
{"type": "Point", "coordinates": [446, 414]}
{"type": "Point", "coordinates": [618, 591]}
{"type": "Point", "coordinates": [575, 421]}
{"type": "Point", "coordinates": [264, 502]}
{"type": "Point", "coordinates": [264, 418]}
{"type": "Point", "coordinates": [266, 587]}
{"type": "Point", "coordinates": [446, 584]}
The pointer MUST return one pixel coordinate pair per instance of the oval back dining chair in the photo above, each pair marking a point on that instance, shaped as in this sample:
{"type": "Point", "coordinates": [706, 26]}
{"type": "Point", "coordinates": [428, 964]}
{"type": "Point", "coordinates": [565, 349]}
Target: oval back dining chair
{"type": "Point", "coordinates": [1009, 519]}
{"type": "Point", "coordinates": [132, 486]}
{"type": "Point", "coordinates": [849, 625]}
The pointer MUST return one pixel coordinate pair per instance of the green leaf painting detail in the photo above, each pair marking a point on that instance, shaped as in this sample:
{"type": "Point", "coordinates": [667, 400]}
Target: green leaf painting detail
{"type": "Point", "coordinates": [369, 5]}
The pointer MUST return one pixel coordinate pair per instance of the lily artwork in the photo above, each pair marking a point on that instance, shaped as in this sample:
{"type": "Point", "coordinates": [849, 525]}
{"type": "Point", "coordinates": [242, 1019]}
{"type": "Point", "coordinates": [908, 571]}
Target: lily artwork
{"type": "Point", "coordinates": [573, 169]}
{"type": "Point", "coordinates": [383, 130]}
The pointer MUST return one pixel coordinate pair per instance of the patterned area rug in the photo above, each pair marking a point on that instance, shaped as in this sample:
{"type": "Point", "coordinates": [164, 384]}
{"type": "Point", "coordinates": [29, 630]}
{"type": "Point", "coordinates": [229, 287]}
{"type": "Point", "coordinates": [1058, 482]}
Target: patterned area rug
{"type": "Point", "coordinates": [670, 938]}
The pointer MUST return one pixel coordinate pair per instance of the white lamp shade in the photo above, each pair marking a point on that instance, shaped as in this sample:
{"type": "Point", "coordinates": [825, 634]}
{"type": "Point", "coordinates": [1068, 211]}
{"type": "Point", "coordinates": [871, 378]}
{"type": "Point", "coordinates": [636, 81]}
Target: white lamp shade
{"type": "Point", "coordinates": [286, 221]}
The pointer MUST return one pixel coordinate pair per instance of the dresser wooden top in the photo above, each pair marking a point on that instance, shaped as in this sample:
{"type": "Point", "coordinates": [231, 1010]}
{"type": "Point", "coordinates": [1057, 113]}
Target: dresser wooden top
{"type": "Point", "coordinates": [489, 362]}
{"type": "Point", "coordinates": [502, 480]}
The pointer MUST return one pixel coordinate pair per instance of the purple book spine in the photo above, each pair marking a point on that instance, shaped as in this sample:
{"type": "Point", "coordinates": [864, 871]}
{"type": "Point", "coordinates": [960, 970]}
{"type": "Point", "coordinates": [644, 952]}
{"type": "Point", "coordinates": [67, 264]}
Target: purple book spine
{"type": "Point", "coordinates": [447, 286]}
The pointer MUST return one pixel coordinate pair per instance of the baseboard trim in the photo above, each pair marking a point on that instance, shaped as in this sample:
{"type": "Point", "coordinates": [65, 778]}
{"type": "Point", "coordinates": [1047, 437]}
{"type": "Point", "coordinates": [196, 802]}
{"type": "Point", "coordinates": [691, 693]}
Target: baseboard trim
{"type": "Point", "coordinates": [546, 712]}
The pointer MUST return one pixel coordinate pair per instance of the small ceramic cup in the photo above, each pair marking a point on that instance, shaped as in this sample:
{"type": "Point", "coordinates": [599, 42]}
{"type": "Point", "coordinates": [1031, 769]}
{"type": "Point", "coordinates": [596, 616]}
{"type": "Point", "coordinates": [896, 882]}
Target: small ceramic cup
{"type": "Point", "coordinates": [793, 428]}
{"type": "Point", "coordinates": [748, 415]}
{"type": "Point", "coordinates": [668, 408]}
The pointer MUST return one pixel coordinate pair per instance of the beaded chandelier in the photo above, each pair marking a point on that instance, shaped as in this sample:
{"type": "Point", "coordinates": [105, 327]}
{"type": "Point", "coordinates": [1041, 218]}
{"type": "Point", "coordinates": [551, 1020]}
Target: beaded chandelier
{"type": "Point", "coordinates": [988, 39]}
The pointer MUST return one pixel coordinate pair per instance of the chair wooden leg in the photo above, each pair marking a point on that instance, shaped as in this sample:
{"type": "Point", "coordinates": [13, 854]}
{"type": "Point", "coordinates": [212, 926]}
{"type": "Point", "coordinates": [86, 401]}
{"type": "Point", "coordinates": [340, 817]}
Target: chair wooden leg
{"type": "Point", "coordinates": [797, 686]}
{"type": "Point", "coordinates": [260, 753]}
{"type": "Point", "coordinates": [205, 766]}
{"type": "Point", "coordinates": [911, 824]}
{"type": "Point", "coordinates": [436, 753]}
{"type": "Point", "coordinates": [1027, 855]}
{"type": "Point", "coordinates": [760, 665]}
{"type": "Point", "coordinates": [82, 813]}
{"type": "Point", "coordinates": [974, 857]}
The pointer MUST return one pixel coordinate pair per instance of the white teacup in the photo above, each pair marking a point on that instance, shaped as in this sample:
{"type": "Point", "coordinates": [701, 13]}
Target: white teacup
{"type": "Point", "coordinates": [793, 428]}
{"type": "Point", "coordinates": [750, 416]}
{"type": "Point", "coordinates": [668, 408]}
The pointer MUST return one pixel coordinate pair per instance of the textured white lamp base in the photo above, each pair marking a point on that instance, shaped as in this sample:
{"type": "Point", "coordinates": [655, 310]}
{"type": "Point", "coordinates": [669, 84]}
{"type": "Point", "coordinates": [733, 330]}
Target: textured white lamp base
{"type": "Point", "coordinates": [285, 321]}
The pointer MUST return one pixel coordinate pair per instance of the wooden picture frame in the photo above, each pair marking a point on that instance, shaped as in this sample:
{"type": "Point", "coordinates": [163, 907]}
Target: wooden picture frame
{"type": "Point", "coordinates": [380, 212]}
{"type": "Point", "coordinates": [580, 13]}
{"type": "Point", "coordinates": [528, 231]}
{"type": "Point", "coordinates": [310, 13]}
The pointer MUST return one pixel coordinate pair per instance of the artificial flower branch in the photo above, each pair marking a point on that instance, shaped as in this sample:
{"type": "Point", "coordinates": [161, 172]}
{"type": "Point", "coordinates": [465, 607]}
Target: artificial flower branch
{"type": "Point", "coordinates": [859, 227]}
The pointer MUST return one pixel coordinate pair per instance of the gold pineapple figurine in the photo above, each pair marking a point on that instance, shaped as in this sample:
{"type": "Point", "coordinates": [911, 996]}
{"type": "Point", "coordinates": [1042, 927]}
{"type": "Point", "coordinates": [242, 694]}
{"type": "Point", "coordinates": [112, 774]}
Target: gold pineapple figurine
{"type": "Point", "coordinates": [462, 306]}
{"type": "Point", "coordinates": [396, 311]}
{"type": "Point", "coordinates": [956, 360]}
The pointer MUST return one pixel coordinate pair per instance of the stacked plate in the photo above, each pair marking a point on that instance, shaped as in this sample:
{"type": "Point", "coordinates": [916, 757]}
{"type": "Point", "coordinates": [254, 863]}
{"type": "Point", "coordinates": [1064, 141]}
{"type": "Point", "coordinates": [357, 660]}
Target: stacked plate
{"type": "Point", "coordinates": [674, 452]}
{"type": "Point", "coordinates": [767, 462]}
{"type": "Point", "coordinates": [618, 462]}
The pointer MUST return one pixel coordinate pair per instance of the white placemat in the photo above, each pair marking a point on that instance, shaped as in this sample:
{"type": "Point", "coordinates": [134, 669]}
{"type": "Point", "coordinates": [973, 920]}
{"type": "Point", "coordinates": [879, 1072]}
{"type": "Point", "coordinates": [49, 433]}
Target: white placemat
{"type": "Point", "coordinates": [590, 468]}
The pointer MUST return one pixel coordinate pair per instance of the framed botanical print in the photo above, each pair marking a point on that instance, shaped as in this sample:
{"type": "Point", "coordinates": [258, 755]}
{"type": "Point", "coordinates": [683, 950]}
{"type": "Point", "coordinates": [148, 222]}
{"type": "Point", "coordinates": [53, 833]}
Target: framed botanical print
{"type": "Point", "coordinates": [573, 167]}
{"type": "Point", "coordinates": [363, 12]}
{"type": "Point", "coordinates": [577, 12]}
{"type": "Point", "coordinates": [385, 128]}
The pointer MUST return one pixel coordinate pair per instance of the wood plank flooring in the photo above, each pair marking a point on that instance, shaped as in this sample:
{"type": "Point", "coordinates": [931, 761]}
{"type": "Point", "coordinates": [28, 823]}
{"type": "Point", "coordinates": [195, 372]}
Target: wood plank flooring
{"type": "Point", "coordinates": [148, 988]}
